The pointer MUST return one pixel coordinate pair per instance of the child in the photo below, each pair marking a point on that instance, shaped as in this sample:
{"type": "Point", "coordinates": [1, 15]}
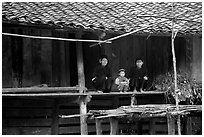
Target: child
{"type": "Point", "coordinates": [137, 75]}
{"type": "Point", "coordinates": [102, 76]}
{"type": "Point", "coordinates": [122, 81]}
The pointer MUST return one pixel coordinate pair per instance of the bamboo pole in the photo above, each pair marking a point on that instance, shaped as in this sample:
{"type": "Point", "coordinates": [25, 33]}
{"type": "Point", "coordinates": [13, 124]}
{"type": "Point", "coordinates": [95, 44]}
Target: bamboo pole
{"type": "Point", "coordinates": [81, 83]}
{"type": "Point", "coordinates": [120, 36]}
{"type": "Point", "coordinates": [53, 38]}
{"type": "Point", "coordinates": [175, 72]}
{"type": "Point", "coordinates": [123, 35]}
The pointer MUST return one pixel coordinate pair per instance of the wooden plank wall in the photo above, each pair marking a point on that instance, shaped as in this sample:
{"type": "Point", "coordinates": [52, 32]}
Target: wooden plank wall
{"type": "Point", "coordinates": [28, 62]}
{"type": "Point", "coordinates": [40, 115]}
{"type": "Point", "coordinates": [48, 61]}
{"type": "Point", "coordinates": [155, 51]}
{"type": "Point", "coordinates": [26, 116]}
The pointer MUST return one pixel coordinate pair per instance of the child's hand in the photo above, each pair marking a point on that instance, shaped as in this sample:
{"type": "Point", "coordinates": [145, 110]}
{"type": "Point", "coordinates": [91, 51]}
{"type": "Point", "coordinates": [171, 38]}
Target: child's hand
{"type": "Point", "coordinates": [145, 78]}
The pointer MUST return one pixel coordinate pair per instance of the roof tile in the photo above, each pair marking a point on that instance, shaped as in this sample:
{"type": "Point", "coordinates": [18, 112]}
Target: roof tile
{"type": "Point", "coordinates": [115, 16]}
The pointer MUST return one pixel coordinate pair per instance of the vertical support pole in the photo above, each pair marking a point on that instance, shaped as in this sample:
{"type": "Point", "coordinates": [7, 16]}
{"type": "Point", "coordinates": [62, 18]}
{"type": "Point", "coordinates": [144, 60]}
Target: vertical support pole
{"type": "Point", "coordinates": [98, 126]}
{"type": "Point", "coordinates": [55, 123]}
{"type": "Point", "coordinates": [151, 126]}
{"type": "Point", "coordinates": [139, 126]}
{"type": "Point", "coordinates": [188, 126]}
{"type": "Point", "coordinates": [80, 62]}
{"type": "Point", "coordinates": [81, 83]}
{"type": "Point", "coordinates": [171, 124]}
{"type": "Point", "coordinates": [175, 72]}
{"type": "Point", "coordinates": [133, 100]}
{"type": "Point", "coordinates": [83, 117]}
{"type": "Point", "coordinates": [113, 126]}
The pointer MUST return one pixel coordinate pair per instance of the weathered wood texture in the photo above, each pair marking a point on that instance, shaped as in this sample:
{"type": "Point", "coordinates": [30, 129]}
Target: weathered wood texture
{"type": "Point", "coordinates": [26, 117]}
{"type": "Point", "coordinates": [155, 51]}
{"type": "Point", "coordinates": [171, 122]}
{"type": "Point", "coordinates": [114, 126]}
{"type": "Point", "coordinates": [98, 126]}
{"type": "Point", "coordinates": [29, 62]}
{"type": "Point", "coordinates": [39, 115]}
{"type": "Point", "coordinates": [54, 62]}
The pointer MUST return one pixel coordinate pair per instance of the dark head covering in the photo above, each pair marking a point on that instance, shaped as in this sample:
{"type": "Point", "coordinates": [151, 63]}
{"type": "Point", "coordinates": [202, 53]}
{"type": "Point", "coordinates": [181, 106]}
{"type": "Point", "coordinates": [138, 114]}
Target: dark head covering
{"type": "Point", "coordinates": [103, 56]}
{"type": "Point", "coordinates": [138, 58]}
{"type": "Point", "coordinates": [121, 70]}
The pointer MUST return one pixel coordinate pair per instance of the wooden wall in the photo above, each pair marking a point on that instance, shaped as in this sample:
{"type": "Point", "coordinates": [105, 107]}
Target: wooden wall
{"type": "Point", "coordinates": [27, 62]}
{"type": "Point", "coordinates": [197, 59]}
{"type": "Point", "coordinates": [155, 51]}
{"type": "Point", "coordinates": [40, 116]}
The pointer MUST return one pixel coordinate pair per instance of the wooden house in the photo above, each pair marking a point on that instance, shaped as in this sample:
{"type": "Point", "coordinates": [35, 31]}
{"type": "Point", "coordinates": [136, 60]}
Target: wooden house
{"type": "Point", "coordinates": [41, 45]}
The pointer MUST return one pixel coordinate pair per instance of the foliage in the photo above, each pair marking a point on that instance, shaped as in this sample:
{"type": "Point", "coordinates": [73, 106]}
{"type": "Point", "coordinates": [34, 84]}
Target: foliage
{"type": "Point", "coordinates": [190, 91]}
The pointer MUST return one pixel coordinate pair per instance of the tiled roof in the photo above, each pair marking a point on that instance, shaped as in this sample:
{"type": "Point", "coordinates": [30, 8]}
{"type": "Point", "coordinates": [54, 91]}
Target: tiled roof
{"type": "Point", "coordinates": [114, 16]}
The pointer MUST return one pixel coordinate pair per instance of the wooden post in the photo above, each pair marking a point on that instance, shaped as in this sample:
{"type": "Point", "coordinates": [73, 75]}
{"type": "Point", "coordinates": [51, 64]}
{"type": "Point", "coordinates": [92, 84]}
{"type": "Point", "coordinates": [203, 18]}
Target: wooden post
{"type": "Point", "coordinates": [139, 126]}
{"type": "Point", "coordinates": [81, 83]}
{"type": "Point", "coordinates": [113, 126]}
{"type": "Point", "coordinates": [171, 124]}
{"type": "Point", "coordinates": [98, 126]}
{"type": "Point", "coordinates": [133, 100]}
{"type": "Point", "coordinates": [55, 122]}
{"type": "Point", "coordinates": [188, 126]}
{"type": "Point", "coordinates": [80, 63]}
{"type": "Point", "coordinates": [151, 126]}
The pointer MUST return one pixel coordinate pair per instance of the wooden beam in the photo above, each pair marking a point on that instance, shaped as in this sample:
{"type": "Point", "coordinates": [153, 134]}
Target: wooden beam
{"type": "Point", "coordinates": [81, 83]}
{"type": "Point", "coordinates": [98, 126]}
{"type": "Point", "coordinates": [171, 124]}
{"type": "Point", "coordinates": [43, 94]}
{"type": "Point", "coordinates": [60, 91]}
{"type": "Point", "coordinates": [42, 89]}
{"type": "Point", "coordinates": [113, 126]}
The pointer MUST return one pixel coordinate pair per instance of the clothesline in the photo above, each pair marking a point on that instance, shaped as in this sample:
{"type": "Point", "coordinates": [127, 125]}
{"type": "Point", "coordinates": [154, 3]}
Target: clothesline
{"type": "Point", "coordinates": [54, 38]}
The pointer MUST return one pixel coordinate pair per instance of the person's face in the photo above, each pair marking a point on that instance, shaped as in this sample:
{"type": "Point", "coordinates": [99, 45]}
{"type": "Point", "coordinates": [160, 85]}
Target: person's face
{"type": "Point", "coordinates": [139, 63]}
{"type": "Point", "coordinates": [104, 62]}
{"type": "Point", "coordinates": [122, 73]}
